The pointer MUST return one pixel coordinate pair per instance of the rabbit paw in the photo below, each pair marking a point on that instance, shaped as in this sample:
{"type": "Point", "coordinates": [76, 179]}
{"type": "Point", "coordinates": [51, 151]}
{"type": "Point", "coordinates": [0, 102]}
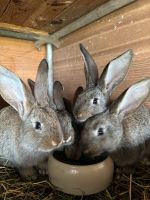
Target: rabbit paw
{"type": "Point", "coordinates": [28, 173]}
{"type": "Point", "coordinates": [43, 168]}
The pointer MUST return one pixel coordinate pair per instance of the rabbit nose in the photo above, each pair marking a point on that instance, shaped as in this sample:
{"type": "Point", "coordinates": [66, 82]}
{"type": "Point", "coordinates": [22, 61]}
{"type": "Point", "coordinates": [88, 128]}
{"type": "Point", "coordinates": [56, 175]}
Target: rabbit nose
{"type": "Point", "coordinates": [54, 143]}
{"type": "Point", "coordinates": [80, 115]}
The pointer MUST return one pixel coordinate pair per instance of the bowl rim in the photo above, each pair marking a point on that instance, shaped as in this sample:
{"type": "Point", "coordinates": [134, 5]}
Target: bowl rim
{"type": "Point", "coordinates": [79, 166]}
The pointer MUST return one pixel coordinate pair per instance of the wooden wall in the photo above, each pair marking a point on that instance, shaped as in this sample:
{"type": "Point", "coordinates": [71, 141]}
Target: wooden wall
{"type": "Point", "coordinates": [21, 57]}
{"type": "Point", "coordinates": [105, 39]}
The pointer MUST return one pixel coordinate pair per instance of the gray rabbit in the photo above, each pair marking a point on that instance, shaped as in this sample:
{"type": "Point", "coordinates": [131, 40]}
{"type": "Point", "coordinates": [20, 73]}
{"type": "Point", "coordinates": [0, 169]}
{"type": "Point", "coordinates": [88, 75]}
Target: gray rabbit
{"type": "Point", "coordinates": [29, 128]}
{"type": "Point", "coordinates": [62, 107]}
{"type": "Point", "coordinates": [64, 113]}
{"type": "Point", "coordinates": [95, 98]}
{"type": "Point", "coordinates": [123, 130]}
{"type": "Point", "coordinates": [64, 116]}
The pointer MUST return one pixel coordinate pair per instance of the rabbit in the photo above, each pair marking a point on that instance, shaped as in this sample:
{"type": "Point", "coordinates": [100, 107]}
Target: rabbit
{"type": "Point", "coordinates": [62, 108]}
{"type": "Point", "coordinates": [73, 152]}
{"type": "Point", "coordinates": [29, 128]}
{"type": "Point", "coordinates": [64, 116]}
{"type": "Point", "coordinates": [67, 103]}
{"type": "Point", "coordinates": [64, 113]}
{"type": "Point", "coordinates": [123, 130]}
{"type": "Point", "coordinates": [95, 98]}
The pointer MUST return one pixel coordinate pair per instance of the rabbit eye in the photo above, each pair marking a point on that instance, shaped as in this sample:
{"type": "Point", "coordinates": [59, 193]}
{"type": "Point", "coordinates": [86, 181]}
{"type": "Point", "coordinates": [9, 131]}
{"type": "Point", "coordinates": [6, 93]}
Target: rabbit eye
{"type": "Point", "coordinates": [100, 131]}
{"type": "Point", "coordinates": [38, 125]}
{"type": "Point", "coordinates": [95, 100]}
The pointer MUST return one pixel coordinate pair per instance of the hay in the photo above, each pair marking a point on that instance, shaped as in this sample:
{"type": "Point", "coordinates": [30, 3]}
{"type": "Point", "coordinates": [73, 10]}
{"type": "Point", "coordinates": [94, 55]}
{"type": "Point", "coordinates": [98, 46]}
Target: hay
{"type": "Point", "coordinates": [135, 187]}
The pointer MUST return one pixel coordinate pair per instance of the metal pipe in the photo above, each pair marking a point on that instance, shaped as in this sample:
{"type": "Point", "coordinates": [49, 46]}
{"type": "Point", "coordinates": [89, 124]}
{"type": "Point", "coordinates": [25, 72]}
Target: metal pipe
{"type": "Point", "coordinates": [29, 36]}
{"type": "Point", "coordinates": [92, 16]}
{"type": "Point", "coordinates": [49, 57]}
{"type": "Point", "coordinates": [13, 34]}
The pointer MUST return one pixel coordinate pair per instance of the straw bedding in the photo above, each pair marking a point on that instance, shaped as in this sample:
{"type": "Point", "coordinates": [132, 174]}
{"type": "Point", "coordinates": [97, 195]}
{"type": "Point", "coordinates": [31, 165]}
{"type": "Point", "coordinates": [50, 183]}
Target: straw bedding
{"type": "Point", "coordinates": [125, 187]}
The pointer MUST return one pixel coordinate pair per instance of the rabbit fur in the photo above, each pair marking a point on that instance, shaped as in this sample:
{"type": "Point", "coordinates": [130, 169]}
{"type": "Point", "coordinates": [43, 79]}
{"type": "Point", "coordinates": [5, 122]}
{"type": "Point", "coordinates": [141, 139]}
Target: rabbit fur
{"type": "Point", "coordinates": [64, 116]}
{"type": "Point", "coordinates": [123, 130]}
{"type": "Point", "coordinates": [63, 110]}
{"type": "Point", "coordinates": [64, 113]}
{"type": "Point", "coordinates": [94, 98]}
{"type": "Point", "coordinates": [29, 128]}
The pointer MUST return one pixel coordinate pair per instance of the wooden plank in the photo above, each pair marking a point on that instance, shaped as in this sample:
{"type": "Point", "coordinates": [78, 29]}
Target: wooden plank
{"type": "Point", "coordinates": [46, 12]}
{"type": "Point", "coordinates": [92, 16]}
{"type": "Point", "coordinates": [52, 16]}
{"type": "Point", "coordinates": [105, 39]}
{"type": "Point", "coordinates": [3, 6]}
{"type": "Point", "coordinates": [48, 15]}
{"type": "Point", "coordinates": [25, 33]}
{"type": "Point", "coordinates": [20, 56]}
{"type": "Point", "coordinates": [17, 11]}
{"type": "Point", "coordinates": [73, 12]}
{"type": "Point", "coordinates": [12, 27]}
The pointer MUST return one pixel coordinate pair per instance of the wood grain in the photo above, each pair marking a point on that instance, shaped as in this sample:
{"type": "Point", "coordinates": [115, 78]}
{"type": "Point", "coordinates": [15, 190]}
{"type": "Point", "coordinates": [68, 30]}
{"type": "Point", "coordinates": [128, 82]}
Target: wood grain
{"type": "Point", "coordinates": [46, 13]}
{"type": "Point", "coordinates": [74, 11]}
{"type": "Point", "coordinates": [3, 6]}
{"type": "Point", "coordinates": [20, 56]}
{"type": "Point", "coordinates": [17, 11]}
{"type": "Point", "coordinates": [20, 29]}
{"type": "Point", "coordinates": [127, 28]}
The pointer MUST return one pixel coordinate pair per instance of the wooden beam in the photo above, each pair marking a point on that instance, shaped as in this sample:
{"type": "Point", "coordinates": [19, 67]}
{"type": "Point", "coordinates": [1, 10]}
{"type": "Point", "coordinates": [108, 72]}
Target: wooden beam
{"type": "Point", "coordinates": [92, 16]}
{"type": "Point", "coordinates": [20, 29]}
{"type": "Point", "coordinates": [74, 11]}
{"type": "Point", "coordinates": [41, 37]}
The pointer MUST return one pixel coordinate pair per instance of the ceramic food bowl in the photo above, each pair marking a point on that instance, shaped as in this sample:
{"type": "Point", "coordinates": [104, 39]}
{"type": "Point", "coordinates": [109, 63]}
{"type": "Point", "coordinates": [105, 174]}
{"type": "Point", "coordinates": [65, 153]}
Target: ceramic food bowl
{"type": "Point", "coordinates": [80, 179]}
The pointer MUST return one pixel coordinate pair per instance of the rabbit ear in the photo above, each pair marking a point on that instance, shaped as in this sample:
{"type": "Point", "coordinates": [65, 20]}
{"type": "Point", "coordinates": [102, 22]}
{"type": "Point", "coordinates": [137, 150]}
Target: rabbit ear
{"type": "Point", "coordinates": [115, 72]}
{"type": "Point", "coordinates": [41, 83]}
{"type": "Point", "coordinates": [15, 92]}
{"type": "Point", "coordinates": [132, 98]}
{"type": "Point", "coordinates": [90, 68]}
{"type": "Point", "coordinates": [76, 94]}
{"type": "Point", "coordinates": [58, 96]}
{"type": "Point", "coordinates": [31, 85]}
